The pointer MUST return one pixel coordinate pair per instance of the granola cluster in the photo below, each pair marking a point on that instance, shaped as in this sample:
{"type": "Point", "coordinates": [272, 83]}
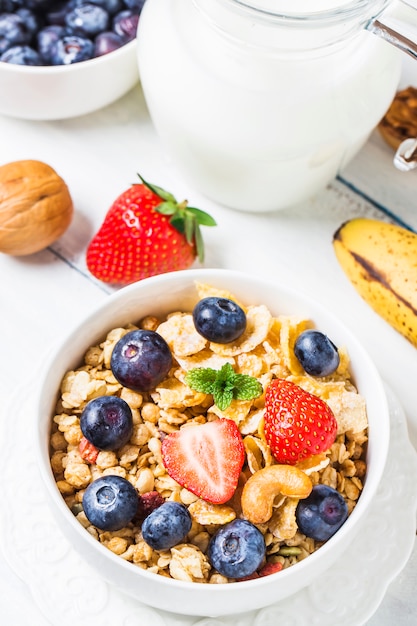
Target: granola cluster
{"type": "Point", "coordinates": [264, 351]}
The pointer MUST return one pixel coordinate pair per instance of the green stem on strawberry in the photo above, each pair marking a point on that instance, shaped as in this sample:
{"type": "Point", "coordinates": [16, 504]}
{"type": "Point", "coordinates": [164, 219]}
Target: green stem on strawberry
{"type": "Point", "coordinates": [187, 220]}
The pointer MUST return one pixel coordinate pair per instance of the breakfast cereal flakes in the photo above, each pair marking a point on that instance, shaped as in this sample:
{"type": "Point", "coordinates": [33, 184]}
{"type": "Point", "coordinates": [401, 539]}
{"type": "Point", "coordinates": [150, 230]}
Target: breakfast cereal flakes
{"type": "Point", "coordinates": [264, 351]}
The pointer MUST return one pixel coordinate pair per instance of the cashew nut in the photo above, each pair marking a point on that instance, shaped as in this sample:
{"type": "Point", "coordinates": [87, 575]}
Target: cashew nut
{"type": "Point", "coordinates": [266, 484]}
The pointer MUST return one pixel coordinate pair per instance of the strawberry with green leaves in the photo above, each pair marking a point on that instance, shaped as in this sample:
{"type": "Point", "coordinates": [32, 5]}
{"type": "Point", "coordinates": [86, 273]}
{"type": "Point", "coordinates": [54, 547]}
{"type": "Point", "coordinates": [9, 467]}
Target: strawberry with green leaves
{"type": "Point", "coordinates": [297, 424]}
{"type": "Point", "coordinates": [146, 232]}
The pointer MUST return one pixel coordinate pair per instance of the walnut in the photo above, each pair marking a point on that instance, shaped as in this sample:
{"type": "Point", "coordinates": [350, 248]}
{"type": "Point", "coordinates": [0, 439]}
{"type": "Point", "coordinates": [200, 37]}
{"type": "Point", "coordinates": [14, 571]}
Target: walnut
{"type": "Point", "coordinates": [400, 121]}
{"type": "Point", "coordinates": [35, 207]}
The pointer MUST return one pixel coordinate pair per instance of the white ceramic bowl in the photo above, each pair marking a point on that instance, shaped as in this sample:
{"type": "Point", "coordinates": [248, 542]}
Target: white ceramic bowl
{"type": "Point", "coordinates": [64, 91]}
{"type": "Point", "coordinates": [161, 295]}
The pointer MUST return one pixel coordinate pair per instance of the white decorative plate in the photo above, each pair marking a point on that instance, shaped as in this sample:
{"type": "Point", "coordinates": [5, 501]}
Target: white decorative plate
{"type": "Point", "coordinates": [68, 592]}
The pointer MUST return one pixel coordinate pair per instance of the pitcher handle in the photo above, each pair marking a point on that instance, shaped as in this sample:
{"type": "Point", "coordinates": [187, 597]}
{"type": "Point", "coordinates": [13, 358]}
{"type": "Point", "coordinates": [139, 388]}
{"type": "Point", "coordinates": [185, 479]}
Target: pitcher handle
{"type": "Point", "coordinates": [398, 26]}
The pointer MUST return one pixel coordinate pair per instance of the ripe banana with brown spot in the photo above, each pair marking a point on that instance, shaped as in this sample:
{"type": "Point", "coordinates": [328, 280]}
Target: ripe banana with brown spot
{"type": "Point", "coordinates": [380, 259]}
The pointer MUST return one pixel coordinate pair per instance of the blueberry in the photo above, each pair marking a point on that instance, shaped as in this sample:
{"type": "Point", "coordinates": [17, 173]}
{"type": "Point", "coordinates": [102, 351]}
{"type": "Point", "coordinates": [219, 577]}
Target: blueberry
{"type": "Point", "coordinates": [45, 39]}
{"type": "Point", "coordinates": [125, 24]}
{"type": "Point", "coordinates": [135, 5]}
{"type": "Point", "coordinates": [107, 422]}
{"type": "Point", "coordinates": [21, 55]}
{"type": "Point", "coordinates": [140, 360]}
{"type": "Point", "coordinates": [13, 31]}
{"type": "Point", "coordinates": [219, 319]}
{"type": "Point", "coordinates": [36, 5]}
{"type": "Point", "coordinates": [321, 514]}
{"type": "Point", "coordinates": [10, 6]}
{"type": "Point", "coordinates": [71, 49]}
{"type": "Point", "coordinates": [316, 353]}
{"type": "Point", "coordinates": [87, 20]}
{"type": "Point", "coordinates": [31, 20]}
{"type": "Point", "coordinates": [110, 502]}
{"type": "Point", "coordinates": [111, 6]}
{"type": "Point", "coordinates": [237, 549]}
{"type": "Point", "coordinates": [107, 42]}
{"type": "Point", "coordinates": [166, 526]}
{"type": "Point", "coordinates": [57, 13]}
{"type": "Point", "coordinates": [90, 28]}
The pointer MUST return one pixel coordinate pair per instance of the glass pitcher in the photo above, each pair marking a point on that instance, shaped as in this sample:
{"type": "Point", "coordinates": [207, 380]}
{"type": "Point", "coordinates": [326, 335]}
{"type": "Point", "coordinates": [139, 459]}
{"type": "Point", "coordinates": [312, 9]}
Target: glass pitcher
{"type": "Point", "coordinates": [261, 102]}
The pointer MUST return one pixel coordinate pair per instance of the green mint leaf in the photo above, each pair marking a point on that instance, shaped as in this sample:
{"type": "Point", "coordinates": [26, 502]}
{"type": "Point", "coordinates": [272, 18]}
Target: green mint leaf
{"type": "Point", "coordinates": [223, 397]}
{"type": "Point", "coordinates": [201, 379]}
{"type": "Point", "coordinates": [226, 374]}
{"type": "Point", "coordinates": [224, 384]}
{"type": "Point", "coordinates": [246, 387]}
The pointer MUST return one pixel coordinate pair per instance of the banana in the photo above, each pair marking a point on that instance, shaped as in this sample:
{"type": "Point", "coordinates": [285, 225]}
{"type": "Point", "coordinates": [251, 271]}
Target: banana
{"type": "Point", "coordinates": [380, 259]}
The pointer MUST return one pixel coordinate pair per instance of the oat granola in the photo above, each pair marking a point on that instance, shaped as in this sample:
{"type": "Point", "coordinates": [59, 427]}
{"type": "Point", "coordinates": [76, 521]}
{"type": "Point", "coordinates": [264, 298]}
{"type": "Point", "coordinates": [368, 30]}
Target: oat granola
{"type": "Point", "coordinates": [265, 351]}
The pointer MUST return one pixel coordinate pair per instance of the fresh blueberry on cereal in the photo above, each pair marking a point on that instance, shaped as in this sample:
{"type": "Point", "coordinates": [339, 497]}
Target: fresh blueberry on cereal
{"type": "Point", "coordinates": [110, 502]}
{"type": "Point", "coordinates": [140, 360]}
{"type": "Point", "coordinates": [237, 549]}
{"type": "Point", "coordinates": [166, 526]}
{"type": "Point", "coordinates": [322, 513]}
{"type": "Point", "coordinates": [107, 422]}
{"type": "Point", "coordinates": [316, 353]}
{"type": "Point", "coordinates": [219, 319]}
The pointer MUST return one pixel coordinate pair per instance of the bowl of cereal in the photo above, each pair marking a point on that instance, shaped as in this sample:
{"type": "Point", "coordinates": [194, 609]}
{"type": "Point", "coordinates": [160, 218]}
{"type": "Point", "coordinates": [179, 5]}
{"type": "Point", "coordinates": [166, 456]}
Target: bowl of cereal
{"type": "Point", "coordinates": [64, 59]}
{"type": "Point", "coordinates": [210, 442]}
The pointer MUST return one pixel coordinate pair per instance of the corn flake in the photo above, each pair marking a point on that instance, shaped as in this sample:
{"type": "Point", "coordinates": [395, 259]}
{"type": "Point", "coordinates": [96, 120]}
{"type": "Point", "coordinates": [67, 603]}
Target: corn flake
{"type": "Point", "coordinates": [349, 409]}
{"type": "Point", "coordinates": [206, 513]}
{"type": "Point", "coordinates": [204, 358]}
{"type": "Point", "coordinates": [172, 393]}
{"type": "Point", "coordinates": [207, 291]}
{"type": "Point", "coordinates": [180, 334]}
{"type": "Point", "coordinates": [258, 453]}
{"type": "Point", "coordinates": [291, 327]}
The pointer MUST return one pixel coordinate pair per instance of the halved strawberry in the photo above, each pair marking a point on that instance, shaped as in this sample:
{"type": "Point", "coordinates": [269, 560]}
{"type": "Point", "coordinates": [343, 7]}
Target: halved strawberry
{"type": "Point", "coordinates": [297, 424]}
{"type": "Point", "coordinates": [206, 459]}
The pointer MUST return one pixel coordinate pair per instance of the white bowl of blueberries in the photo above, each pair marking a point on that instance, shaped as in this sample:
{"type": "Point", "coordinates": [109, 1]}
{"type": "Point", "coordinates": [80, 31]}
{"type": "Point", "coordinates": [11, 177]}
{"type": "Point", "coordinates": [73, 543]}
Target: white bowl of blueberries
{"type": "Point", "coordinates": [65, 58]}
{"type": "Point", "coordinates": [180, 514]}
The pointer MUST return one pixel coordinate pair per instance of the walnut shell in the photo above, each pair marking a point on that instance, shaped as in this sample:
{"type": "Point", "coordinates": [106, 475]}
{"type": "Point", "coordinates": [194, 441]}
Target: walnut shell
{"type": "Point", "coordinates": [35, 207]}
{"type": "Point", "coordinates": [400, 121]}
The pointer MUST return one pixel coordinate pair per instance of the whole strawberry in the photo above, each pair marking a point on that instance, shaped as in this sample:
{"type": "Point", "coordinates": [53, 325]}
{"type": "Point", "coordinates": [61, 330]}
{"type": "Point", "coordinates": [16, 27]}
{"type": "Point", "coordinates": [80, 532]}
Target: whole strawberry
{"type": "Point", "coordinates": [146, 232]}
{"type": "Point", "coordinates": [297, 424]}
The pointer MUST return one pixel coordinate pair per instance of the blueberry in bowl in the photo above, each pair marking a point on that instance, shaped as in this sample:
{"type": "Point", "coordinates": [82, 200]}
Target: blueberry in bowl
{"type": "Point", "coordinates": [166, 526]}
{"type": "Point", "coordinates": [61, 59]}
{"type": "Point", "coordinates": [141, 359]}
{"type": "Point", "coordinates": [107, 422]}
{"type": "Point", "coordinates": [219, 319]}
{"type": "Point", "coordinates": [322, 513]}
{"type": "Point", "coordinates": [237, 549]}
{"type": "Point", "coordinates": [110, 502]}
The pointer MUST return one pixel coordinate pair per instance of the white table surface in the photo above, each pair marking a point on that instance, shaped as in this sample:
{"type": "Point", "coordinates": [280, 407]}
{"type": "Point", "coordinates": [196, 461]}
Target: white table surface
{"type": "Point", "coordinates": [98, 155]}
